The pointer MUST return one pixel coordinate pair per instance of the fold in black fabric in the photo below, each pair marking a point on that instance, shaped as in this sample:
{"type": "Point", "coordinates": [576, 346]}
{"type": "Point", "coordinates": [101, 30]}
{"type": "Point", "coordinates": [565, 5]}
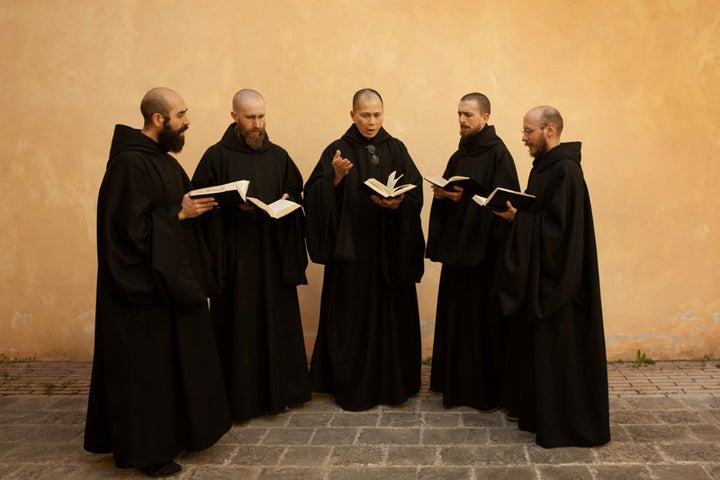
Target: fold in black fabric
{"type": "Point", "coordinates": [156, 386]}
{"type": "Point", "coordinates": [471, 337]}
{"type": "Point", "coordinates": [261, 260]}
{"type": "Point", "coordinates": [550, 283]}
{"type": "Point", "coordinates": [367, 351]}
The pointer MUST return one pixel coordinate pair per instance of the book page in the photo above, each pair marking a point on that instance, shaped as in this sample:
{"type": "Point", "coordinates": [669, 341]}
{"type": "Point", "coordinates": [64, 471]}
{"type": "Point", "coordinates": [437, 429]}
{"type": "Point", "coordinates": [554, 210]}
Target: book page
{"type": "Point", "coordinates": [241, 186]}
{"type": "Point", "coordinates": [378, 187]}
{"type": "Point", "coordinates": [283, 207]}
{"type": "Point", "coordinates": [402, 189]}
{"type": "Point", "coordinates": [436, 180]}
{"type": "Point", "coordinates": [392, 181]}
{"type": "Point", "coordinates": [479, 200]}
{"type": "Point", "coordinates": [277, 209]}
{"type": "Point", "coordinates": [457, 178]}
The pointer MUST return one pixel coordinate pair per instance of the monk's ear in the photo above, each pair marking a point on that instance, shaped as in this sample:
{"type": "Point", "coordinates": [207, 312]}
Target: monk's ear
{"type": "Point", "coordinates": [551, 129]}
{"type": "Point", "coordinates": [158, 120]}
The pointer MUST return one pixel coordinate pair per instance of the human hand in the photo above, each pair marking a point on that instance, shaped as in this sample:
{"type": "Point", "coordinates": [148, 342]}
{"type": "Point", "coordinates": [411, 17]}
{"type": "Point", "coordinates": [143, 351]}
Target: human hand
{"type": "Point", "coordinates": [341, 166]}
{"type": "Point", "coordinates": [191, 208]}
{"type": "Point", "coordinates": [508, 214]}
{"type": "Point", "coordinates": [441, 193]}
{"type": "Point", "coordinates": [391, 203]}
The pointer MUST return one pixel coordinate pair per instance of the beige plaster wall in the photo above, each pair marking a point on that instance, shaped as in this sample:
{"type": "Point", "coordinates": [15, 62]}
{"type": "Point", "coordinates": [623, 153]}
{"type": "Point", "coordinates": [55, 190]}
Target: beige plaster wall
{"type": "Point", "coordinates": [637, 81]}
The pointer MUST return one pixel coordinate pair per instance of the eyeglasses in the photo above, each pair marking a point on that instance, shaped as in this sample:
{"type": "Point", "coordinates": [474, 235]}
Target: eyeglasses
{"type": "Point", "coordinates": [529, 130]}
{"type": "Point", "coordinates": [371, 150]}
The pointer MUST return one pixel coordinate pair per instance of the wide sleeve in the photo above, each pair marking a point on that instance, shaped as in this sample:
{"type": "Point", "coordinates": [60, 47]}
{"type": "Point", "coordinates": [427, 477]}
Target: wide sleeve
{"type": "Point", "coordinates": [446, 223]}
{"type": "Point", "coordinates": [560, 228]}
{"type": "Point", "coordinates": [543, 264]}
{"type": "Point", "coordinates": [403, 242]}
{"type": "Point", "coordinates": [141, 249]}
{"type": "Point", "coordinates": [206, 175]}
{"type": "Point", "coordinates": [463, 234]}
{"type": "Point", "coordinates": [329, 229]}
{"type": "Point", "coordinates": [291, 230]}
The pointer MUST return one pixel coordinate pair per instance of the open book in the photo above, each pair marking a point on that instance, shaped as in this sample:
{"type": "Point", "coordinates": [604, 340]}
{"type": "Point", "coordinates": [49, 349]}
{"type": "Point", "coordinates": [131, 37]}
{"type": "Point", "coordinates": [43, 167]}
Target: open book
{"type": "Point", "coordinates": [277, 209]}
{"type": "Point", "coordinates": [233, 192]}
{"type": "Point", "coordinates": [498, 198]}
{"type": "Point", "coordinates": [466, 183]}
{"type": "Point", "coordinates": [389, 189]}
{"type": "Point", "coordinates": [236, 192]}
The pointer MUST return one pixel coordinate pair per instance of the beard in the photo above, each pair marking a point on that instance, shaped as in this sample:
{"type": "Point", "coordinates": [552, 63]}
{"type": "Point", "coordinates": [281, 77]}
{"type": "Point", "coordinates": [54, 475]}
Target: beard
{"type": "Point", "coordinates": [467, 132]}
{"type": "Point", "coordinates": [171, 140]}
{"type": "Point", "coordinates": [541, 148]}
{"type": "Point", "coordinates": [254, 138]}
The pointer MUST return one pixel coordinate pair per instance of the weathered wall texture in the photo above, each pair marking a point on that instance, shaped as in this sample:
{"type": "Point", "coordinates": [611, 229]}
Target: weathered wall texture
{"type": "Point", "coordinates": [638, 82]}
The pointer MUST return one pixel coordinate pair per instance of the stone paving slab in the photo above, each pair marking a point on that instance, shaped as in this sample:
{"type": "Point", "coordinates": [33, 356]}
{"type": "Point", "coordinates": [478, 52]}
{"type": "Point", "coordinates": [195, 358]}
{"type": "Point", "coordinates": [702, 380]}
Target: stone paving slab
{"type": "Point", "coordinates": [670, 432]}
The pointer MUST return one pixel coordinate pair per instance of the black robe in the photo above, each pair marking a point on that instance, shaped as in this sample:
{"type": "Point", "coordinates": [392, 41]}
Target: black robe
{"type": "Point", "coordinates": [261, 261]}
{"type": "Point", "coordinates": [367, 350]}
{"type": "Point", "coordinates": [156, 386]}
{"type": "Point", "coordinates": [551, 281]}
{"type": "Point", "coordinates": [470, 343]}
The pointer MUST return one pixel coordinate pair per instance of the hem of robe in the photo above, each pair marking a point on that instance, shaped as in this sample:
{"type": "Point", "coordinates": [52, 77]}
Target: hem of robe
{"type": "Point", "coordinates": [153, 459]}
{"type": "Point", "coordinates": [560, 441]}
{"type": "Point", "coordinates": [246, 417]}
{"type": "Point", "coordinates": [351, 406]}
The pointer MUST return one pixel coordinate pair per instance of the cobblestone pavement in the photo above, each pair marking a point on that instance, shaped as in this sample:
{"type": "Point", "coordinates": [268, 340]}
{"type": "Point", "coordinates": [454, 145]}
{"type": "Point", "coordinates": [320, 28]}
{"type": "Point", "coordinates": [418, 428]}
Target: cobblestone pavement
{"type": "Point", "coordinates": [665, 426]}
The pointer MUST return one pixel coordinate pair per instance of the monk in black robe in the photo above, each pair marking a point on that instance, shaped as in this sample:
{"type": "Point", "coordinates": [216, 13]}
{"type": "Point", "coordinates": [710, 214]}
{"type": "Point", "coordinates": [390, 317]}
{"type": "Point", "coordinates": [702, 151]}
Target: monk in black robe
{"type": "Point", "coordinates": [470, 342]}
{"type": "Point", "coordinates": [156, 387]}
{"type": "Point", "coordinates": [550, 279]}
{"type": "Point", "coordinates": [262, 260]}
{"type": "Point", "coordinates": [367, 350]}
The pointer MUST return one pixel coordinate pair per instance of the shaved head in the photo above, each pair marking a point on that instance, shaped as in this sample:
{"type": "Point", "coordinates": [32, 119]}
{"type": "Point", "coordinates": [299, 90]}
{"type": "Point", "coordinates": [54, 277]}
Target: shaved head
{"type": "Point", "coordinates": [547, 114]}
{"type": "Point", "coordinates": [158, 100]}
{"type": "Point", "coordinates": [365, 94]}
{"type": "Point", "coordinates": [245, 95]}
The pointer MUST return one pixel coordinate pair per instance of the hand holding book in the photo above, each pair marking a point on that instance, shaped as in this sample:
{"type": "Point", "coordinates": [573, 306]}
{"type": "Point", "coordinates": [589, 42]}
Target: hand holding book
{"type": "Point", "coordinates": [466, 183]}
{"type": "Point", "coordinates": [236, 193]}
{"type": "Point", "coordinates": [194, 207]}
{"type": "Point", "coordinates": [497, 200]}
{"type": "Point", "coordinates": [228, 193]}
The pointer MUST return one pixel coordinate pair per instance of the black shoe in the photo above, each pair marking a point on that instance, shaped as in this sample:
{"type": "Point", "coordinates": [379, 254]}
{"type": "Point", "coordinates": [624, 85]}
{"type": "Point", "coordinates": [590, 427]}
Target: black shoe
{"type": "Point", "coordinates": [164, 469]}
{"type": "Point", "coordinates": [511, 417]}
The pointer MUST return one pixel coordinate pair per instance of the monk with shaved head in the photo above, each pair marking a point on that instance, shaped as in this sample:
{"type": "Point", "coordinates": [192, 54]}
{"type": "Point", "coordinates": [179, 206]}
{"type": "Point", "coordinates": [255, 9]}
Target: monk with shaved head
{"type": "Point", "coordinates": [367, 350]}
{"type": "Point", "coordinates": [261, 260]}
{"type": "Point", "coordinates": [156, 388]}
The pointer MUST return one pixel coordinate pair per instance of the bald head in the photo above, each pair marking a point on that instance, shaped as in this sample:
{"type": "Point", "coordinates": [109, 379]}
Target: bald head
{"type": "Point", "coordinates": [158, 100]}
{"type": "Point", "coordinates": [244, 96]}
{"type": "Point", "coordinates": [546, 114]}
{"type": "Point", "coordinates": [365, 94]}
{"type": "Point", "coordinates": [166, 118]}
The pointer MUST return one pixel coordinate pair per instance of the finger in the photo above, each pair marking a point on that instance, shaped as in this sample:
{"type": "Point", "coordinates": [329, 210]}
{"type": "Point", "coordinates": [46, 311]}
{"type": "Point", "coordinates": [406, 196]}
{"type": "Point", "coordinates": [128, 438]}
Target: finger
{"type": "Point", "coordinates": [337, 156]}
